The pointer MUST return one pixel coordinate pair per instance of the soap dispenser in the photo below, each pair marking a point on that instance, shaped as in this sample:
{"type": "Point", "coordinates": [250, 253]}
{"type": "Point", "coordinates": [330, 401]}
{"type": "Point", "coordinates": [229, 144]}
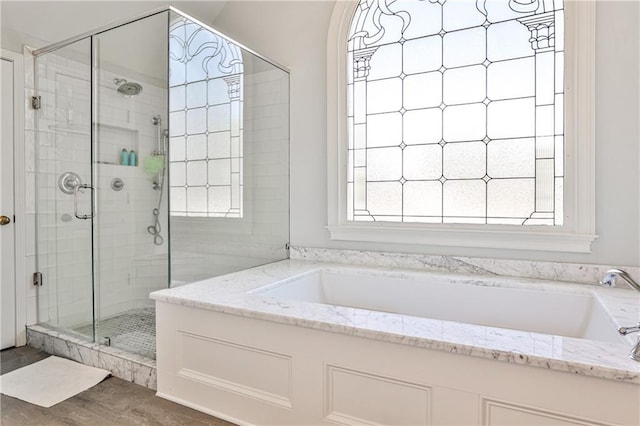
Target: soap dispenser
{"type": "Point", "coordinates": [133, 158]}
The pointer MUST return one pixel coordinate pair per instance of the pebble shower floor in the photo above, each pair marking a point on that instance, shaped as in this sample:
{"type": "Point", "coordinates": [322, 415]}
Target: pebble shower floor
{"type": "Point", "coordinates": [133, 330]}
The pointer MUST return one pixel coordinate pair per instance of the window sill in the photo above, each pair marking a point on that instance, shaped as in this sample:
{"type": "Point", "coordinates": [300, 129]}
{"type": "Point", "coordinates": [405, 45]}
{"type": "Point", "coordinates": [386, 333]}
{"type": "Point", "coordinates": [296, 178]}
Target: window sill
{"type": "Point", "coordinates": [465, 237]}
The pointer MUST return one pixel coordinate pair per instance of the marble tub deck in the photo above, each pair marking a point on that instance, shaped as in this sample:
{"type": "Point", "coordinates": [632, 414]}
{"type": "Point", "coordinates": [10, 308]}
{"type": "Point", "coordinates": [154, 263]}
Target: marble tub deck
{"type": "Point", "coordinates": [233, 294]}
{"type": "Point", "coordinates": [123, 365]}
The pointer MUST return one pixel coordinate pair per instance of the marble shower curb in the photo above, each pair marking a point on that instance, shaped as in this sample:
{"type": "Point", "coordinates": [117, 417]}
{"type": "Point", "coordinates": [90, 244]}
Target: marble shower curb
{"type": "Point", "coordinates": [123, 365]}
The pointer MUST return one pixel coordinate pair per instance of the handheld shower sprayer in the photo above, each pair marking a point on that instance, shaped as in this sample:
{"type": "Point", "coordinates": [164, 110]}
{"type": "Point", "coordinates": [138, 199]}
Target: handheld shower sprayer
{"type": "Point", "coordinates": [155, 166]}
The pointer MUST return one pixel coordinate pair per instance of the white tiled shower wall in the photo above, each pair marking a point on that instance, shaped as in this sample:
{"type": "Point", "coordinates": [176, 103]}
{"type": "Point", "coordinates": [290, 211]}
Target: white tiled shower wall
{"type": "Point", "coordinates": [125, 245]}
{"type": "Point", "coordinates": [129, 264]}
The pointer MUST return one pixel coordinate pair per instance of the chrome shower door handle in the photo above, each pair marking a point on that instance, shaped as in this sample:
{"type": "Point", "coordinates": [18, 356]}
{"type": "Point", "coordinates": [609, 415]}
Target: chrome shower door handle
{"type": "Point", "coordinates": [76, 190]}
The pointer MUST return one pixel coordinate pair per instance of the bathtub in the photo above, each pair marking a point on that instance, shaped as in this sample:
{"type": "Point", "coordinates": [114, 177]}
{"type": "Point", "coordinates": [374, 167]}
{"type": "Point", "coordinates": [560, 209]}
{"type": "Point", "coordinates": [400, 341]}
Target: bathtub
{"type": "Point", "coordinates": [451, 298]}
{"type": "Point", "coordinates": [299, 342]}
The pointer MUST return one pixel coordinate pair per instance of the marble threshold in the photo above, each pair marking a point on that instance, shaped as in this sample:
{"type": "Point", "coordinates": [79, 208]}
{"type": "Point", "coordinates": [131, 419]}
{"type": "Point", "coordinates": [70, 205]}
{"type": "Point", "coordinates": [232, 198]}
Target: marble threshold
{"type": "Point", "coordinates": [124, 365]}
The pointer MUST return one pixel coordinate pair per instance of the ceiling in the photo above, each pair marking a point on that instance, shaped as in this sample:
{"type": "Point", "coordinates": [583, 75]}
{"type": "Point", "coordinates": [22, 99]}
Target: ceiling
{"type": "Point", "coordinates": [139, 46]}
{"type": "Point", "coordinates": [44, 22]}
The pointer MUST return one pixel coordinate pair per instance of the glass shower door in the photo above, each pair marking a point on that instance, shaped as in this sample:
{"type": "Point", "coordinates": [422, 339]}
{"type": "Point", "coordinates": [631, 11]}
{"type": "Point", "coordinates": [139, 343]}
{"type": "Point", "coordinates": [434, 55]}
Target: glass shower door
{"type": "Point", "coordinates": [63, 181]}
{"type": "Point", "coordinates": [130, 233]}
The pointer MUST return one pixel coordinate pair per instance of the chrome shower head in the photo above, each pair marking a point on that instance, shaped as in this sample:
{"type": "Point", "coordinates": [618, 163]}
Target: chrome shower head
{"type": "Point", "coordinates": [127, 89]}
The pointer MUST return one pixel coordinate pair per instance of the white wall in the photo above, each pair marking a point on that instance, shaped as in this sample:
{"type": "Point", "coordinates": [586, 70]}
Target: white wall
{"type": "Point", "coordinates": [294, 33]}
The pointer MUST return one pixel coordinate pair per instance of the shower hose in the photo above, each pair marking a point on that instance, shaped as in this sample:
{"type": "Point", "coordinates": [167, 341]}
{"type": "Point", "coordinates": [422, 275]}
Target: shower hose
{"type": "Point", "coordinates": [155, 229]}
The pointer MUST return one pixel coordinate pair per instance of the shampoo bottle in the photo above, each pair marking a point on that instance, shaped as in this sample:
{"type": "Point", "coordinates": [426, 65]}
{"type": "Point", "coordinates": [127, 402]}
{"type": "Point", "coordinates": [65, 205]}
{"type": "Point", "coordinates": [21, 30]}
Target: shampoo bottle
{"type": "Point", "coordinates": [124, 157]}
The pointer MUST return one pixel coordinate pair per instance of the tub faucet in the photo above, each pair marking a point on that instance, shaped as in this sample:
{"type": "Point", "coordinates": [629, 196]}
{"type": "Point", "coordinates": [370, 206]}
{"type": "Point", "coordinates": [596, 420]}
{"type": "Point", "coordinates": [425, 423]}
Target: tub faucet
{"type": "Point", "coordinates": [635, 351]}
{"type": "Point", "coordinates": [610, 276]}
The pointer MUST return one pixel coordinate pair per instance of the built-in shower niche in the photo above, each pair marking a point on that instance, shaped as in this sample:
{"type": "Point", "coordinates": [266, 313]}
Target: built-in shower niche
{"type": "Point", "coordinates": [112, 140]}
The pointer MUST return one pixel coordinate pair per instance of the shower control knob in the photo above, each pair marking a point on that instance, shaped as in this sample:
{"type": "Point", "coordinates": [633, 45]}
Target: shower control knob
{"type": "Point", "coordinates": [117, 184]}
{"type": "Point", "coordinates": [5, 220]}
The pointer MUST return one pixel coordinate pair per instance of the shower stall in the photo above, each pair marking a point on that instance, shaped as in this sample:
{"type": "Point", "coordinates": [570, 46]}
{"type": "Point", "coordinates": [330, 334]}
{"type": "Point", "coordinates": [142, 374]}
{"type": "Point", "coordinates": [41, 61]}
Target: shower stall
{"type": "Point", "coordinates": [162, 151]}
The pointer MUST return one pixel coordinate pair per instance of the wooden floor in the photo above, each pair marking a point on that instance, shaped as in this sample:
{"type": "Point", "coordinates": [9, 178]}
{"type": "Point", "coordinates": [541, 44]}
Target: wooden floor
{"type": "Point", "coordinates": [111, 402]}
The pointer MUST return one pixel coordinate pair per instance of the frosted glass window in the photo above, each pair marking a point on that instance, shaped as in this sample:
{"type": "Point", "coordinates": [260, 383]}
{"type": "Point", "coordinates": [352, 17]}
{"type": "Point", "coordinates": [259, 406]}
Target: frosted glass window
{"type": "Point", "coordinates": [512, 118]}
{"type": "Point", "coordinates": [422, 126]}
{"type": "Point", "coordinates": [385, 198]}
{"type": "Point", "coordinates": [422, 162]}
{"type": "Point", "coordinates": [197, 94]}
{"type": "Point", "coordinates": [422, 55]}
{"type": "Point", "coordinates": [196, 147]}
{"type": "Point", "coordinates": [422, 90]}
{"type": "Point", "coordinates": [220, 172]}
{"type": "Point", "coordinates": [464, 85]}
{"type": "Point", "coordinates": [177, 99]}
{"type": "Point", "coordinates": [178, 174]}
{"type": "Point", "coordinates": [466, 47]}
{"type": "Point", "coordinates": [205, 102]}
{"type": "Point", "coordinates": [179, 200]}
{"type": "Point", "coordinates": [384, 164]}
{"type": "Point", "coordinates": [219, 200]}
{"type": "Point", "coordinates": [521, 202]}
{"type": "Point", "coordinates": [217, 92]}
{"type": "Point", "coordinates": [219, 145]}
{"type": "Point", "coordinates": [383, 95]}
{"type": "Point", "coordinates": [196, 200]}
{"type": "Point", "coordinates": [219, 118]}
{"type": "Point", "coordinates": [384, 130]}
{"type": "Point", "coordinates": [464, 123]}
{"type": "Point", "coordinates": [196, 173]}
{"type": "Point", "coordinates": [508, 40]}
{"type": "Point", "coordinates": [465, 160]}
{"type": "Point", "coordinates": [511, 79]}
{"type": "Point", "coordinates": [425, 17]}
{"type": "Point", "coordinates": [457, 15]}
{"type": "Point", "coordinates": [510, 158]}
{"type": "Point", "coordinates": [386, 62]}
{"type": "Point", "coordinates": [464, 198]}
{"type": "Point", "coordinates": [423, 199]}
{"type": "Point", "coordinates": [455, 112]}
{"type": "Point", "coordinates": [196, 121]}
{"type": "Point", "coordinates": [177, 149]}
{"type": "Point", "coordinates": [177, 121]}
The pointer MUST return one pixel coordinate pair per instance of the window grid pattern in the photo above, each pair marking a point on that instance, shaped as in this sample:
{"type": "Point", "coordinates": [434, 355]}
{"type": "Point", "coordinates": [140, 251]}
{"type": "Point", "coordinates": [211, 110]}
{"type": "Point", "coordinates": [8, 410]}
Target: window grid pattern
{"type": "Point", "coordinates": [455, 112]}
{"type": "Point", "coordinates": [205, 123]}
